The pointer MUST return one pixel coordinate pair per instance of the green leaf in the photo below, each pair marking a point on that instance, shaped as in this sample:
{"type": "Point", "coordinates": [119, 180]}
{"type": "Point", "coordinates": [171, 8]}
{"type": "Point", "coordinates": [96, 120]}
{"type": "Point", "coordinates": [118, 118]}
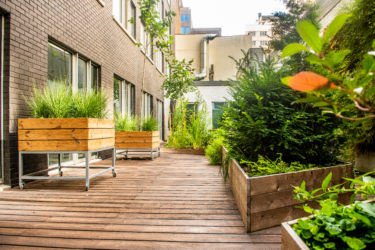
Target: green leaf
{"type": "Point", "coordinates": [285, 80]}
{"type": "Point", "coordinates": [310, 34]}
{"type": "Point", "coordinates": [313, 59]}
{"type": "Point", "coordinates": [320, 104]}
{"type": "Point", "coordinates": [335, 26]}
{"type": "Point", "coordinates": [354, 243]}
{"type": "Point", "coordinates": [292, 49]}
{"type": "Point", "coordinates": [333, 229]}
{"type": "Point", "coordinates": [326, 181]}
{"type": "Point", "coordinates": [329, 245]}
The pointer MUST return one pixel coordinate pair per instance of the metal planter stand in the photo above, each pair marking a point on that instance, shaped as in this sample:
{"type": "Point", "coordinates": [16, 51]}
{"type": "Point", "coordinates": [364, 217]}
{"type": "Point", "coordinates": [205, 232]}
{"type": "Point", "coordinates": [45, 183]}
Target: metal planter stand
{"type": "Point", "coordinates": [127, 152]}
{"type": "Point", "coordinates": [87, 177]}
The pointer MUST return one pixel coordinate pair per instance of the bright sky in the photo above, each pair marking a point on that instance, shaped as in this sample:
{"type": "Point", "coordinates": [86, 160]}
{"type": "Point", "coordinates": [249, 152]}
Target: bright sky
{"type": "Point", "coordinates": [232, 16]}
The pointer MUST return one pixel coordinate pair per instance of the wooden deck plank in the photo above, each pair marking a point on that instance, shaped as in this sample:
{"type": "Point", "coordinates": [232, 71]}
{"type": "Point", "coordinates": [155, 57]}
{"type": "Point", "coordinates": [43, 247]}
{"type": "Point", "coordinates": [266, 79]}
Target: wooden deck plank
{"type": "Point", "coordinates": [174, 202]}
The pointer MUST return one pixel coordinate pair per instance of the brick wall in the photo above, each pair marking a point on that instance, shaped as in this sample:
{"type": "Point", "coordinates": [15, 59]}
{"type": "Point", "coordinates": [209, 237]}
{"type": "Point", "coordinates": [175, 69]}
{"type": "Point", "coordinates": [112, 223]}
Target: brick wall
{"type": "Point", "coordinates": [84, 26]}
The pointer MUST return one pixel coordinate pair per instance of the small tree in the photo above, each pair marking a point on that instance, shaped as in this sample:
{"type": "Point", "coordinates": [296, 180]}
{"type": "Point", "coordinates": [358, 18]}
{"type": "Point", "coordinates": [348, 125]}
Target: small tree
{"type": "Point", "coordinates": [156, 31]}
{"type": "Point", "coordinates": [284, 31]}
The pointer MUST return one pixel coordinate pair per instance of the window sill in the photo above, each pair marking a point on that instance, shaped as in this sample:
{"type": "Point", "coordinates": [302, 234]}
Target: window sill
{"type": "Point", "coordinates": [149, 58]}
{"type": "Point", "coordinates": [161, 72]}
{"type": "Point", "coordinates": [124, 30]}
{"type": "Point", "coordinates": [100, 2]}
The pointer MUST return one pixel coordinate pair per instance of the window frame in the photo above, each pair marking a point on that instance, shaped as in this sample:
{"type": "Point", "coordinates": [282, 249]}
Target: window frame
{"type": "Point", "coordinates": [126, 96]}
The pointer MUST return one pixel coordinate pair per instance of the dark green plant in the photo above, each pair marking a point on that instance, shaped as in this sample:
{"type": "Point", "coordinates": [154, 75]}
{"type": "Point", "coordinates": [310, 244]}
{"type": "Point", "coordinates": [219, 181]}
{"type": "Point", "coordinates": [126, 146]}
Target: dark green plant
{"type": "Point", "coordinates": [335, 226]}
{"type": "Point", "coordinates": [262, 119]}
{"type": "Point", "coordinates": [58, 101]}
{"type": "Point", "coordinates": [349, 95]}
{"type": "Point", "coordinates": [149, 124]}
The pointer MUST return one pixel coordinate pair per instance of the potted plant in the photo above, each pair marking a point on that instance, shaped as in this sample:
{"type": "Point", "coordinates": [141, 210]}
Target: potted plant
{"type": "Point", "coordinates": [135, 136]}
{"type": "Point", "coordinates": [348, 94]}
{"type": "Point", "coordinates": [64, 121]}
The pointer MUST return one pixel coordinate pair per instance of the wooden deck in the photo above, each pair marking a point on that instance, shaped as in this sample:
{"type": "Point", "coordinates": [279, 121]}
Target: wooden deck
{"type": "Point", "coordinates": [176, 201]}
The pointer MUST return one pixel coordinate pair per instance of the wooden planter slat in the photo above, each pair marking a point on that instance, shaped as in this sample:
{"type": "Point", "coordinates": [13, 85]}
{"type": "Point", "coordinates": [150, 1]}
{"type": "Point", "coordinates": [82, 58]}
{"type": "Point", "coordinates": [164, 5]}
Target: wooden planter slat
{"type": "Point", "coordinates": [267, 201]}
{"type": "Point", "coordinates": [290, 239]}
{"type": "Point", "coordinates": [60, 123]}
{"type": "Point", "coordinates": [137, 140]}
{"type": "Point", "coordinates": [65, 134]}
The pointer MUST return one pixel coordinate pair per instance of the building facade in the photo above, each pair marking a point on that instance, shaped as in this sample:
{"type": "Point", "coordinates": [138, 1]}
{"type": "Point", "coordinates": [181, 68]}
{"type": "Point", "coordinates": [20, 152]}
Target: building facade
{"type": "Point", "coordinates": [261, 32]}
{"type": "Point", "coordinates": [88, 43]}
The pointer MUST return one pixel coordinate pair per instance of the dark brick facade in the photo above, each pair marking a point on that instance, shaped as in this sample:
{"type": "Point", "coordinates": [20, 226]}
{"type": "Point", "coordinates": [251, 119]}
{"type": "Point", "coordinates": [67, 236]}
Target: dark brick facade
{"type": "Point", "coordinates": [84, 26]}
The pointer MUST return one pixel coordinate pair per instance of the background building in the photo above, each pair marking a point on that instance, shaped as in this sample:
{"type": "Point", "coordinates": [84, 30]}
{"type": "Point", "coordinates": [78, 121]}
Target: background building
{"type": "Point", "coordinates": [88, 43]}
{"type": "Point", "coordinates": [261, 32]}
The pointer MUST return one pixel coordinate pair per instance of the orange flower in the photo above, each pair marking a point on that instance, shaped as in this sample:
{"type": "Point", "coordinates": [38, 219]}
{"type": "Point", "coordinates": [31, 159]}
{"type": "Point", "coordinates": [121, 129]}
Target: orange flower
{"type": "Point", "coordinates": [307, 81]}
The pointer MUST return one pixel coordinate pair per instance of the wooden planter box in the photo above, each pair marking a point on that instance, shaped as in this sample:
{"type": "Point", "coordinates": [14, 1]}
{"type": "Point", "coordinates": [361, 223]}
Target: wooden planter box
{"type": "Point", "coordinates": [267, 201]}
{"type": "Point", "coordinates": [65, 134]}
{"type": "Point", "coordinates": [290, 239]}
{"type": "Point", "coordinates": [184, 151]}
{"type": "Point", "coordinates": [138, 140]}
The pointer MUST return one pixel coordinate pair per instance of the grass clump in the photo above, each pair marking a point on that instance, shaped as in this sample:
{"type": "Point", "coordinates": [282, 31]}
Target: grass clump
{"type": "Point", "coordinates": [149, 124]}
{"type": "Point", "coordinates": [214, 150]}
{"type": "Point", "coordinates": [132, 123]}
{"type": "Point", "coordinates": [59, 101]}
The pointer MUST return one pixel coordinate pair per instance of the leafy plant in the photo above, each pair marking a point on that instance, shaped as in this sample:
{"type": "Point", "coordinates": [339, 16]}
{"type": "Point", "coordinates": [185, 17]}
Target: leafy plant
{"type": "Point", "coordinates": [214, 149]}
{"type": "Point", "coordinates": [349, 95]}
{"type": "Point", "coordinates": [335, 226]}
{"type": "Point", "coordinates": [262, 119]}
{"type": "Point", "coordinates": [126, 123]}
{"type": "Point", "coordinates": [149, 124]}
{"type": "Point", "coordinates": [58, 101]}
{"type": "Point", "coordinates": [265, 166]}
{"type": "Point", "coordinates": [198, 128]}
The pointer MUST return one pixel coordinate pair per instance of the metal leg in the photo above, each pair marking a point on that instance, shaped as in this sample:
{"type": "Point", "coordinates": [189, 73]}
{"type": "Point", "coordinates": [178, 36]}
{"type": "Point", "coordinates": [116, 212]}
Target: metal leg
{"type": "Point", "coordinates": [159, 151]}
{"type": "Point", "coordinates": [59, 164]}
{"type": "Point", "coordinates": [20, 172]}
{"type": "Point", "coordinates": [87, 171]}
{"type": "Point", "coordinates": [152, 154]}
{"type": "Point", "coordinates": [114, 162]}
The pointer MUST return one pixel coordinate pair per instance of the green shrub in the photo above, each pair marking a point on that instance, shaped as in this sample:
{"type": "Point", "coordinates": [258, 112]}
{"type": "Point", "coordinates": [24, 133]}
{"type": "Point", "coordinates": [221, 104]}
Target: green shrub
{"type": "Point", "coordinates": [149, 124]}
{"type": "Point", "coordinates": [214, 150]}
{"type": "Point", "coordinates": [189, 131]}
{"type": "Point", "coordinates": [126, 123]}
{"type": "Point", "coordinates": [262, 119]}
{"type": "Point", "coordinates": [58, 101]}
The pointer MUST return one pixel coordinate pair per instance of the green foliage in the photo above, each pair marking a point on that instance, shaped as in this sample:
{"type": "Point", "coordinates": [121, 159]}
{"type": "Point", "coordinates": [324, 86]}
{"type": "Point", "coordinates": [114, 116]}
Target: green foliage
{"type": "Point", "coordinates": [214, 149]}
{"type": "Point", "coordinates": [284, 31]}
{"type": "Point", "coordinates": [189, 132]}
{"type": "Point", "coordinates": [149, 124]}
{"type": "Point", "coordinates": [265, 166]}
{"type": "Point", "coordinates": [262, 119]}
{"type": "Point", "coordinates": [180, 80]}
{"type": "Point", "coordinates": [358, 32]}
{"type": "Point", "coordinates": [353, 95]}
{"type": "Point", "coordinates": [335, 226]}
{"type": "Point", "coordinates": [58, 101]}
{"type": "Point", "coordinates": [126, 123]}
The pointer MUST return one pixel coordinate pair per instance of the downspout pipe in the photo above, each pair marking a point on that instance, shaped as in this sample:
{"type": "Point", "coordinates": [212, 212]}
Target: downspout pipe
{"type": "Point", "coordinates": [204, 44]}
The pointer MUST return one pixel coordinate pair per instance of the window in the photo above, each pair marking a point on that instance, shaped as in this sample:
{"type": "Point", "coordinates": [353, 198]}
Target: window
{"type": "Point", "coordinates": [132, 16]}
{"type": "Point", "coordinates": [254, 43]}
{"type": "Point", "coordinates": [185, 30]}
{"type": "Point", "coordinates": [59, 64]}
{"type": "Point", "coordinates": [253, 33]}
{"type": "Point", "coordinates": [159, 60]}
{"type": "Point", "coordinates": [160, 117]}
{"type": "Point", "coordinates": [123, 97]}
{"type": "Point", "coordinates": [144, 41]}
{"type": "Point", "coordinates": [217, 113]}
{"type": "Point", "coordinates": [185, 18]}
{"type": "Point", "coordinates": [147, 104]}
{"type": "Point", "coordinates": [263, 33]}
{"type": "Point", "coordinates": [63, 64]}
{"type": "Point", "coordinates": [124, 11]}
{"type": "Point", "coordinates": [263, 42]}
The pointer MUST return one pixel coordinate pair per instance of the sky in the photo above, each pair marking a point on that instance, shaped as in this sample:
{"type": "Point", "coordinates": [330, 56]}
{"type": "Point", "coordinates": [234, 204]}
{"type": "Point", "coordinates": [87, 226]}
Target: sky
{"type": "Point", "coordinates": [232, 16]}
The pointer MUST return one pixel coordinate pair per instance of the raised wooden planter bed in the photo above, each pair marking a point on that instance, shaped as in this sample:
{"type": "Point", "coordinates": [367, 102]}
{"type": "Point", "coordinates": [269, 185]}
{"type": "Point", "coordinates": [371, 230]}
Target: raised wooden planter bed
{"type": "Point", "coordinates": [183, 151]}
{"type": "Point", "coordinates": [137, 142]}
{"type": "Point", "coordinates": [65, 135]}
{"type": "Point", "coordinates": [267, 201]}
